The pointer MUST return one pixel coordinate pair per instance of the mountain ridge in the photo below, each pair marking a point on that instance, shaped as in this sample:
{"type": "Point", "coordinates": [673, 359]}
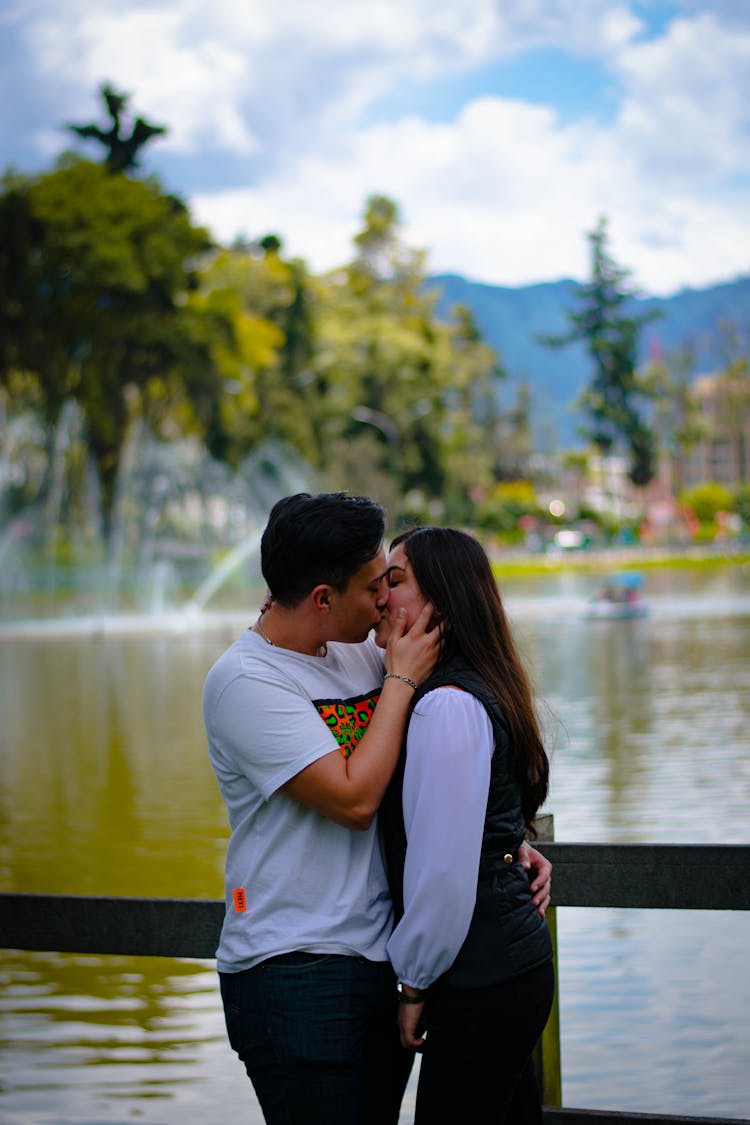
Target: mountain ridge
{"type": "Point", "coordinates": [511, 321]}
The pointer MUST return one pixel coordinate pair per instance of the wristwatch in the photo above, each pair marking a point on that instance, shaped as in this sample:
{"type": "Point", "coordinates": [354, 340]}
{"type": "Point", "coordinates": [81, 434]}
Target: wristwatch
{"type": "Point", "coordinates": [417, 995]}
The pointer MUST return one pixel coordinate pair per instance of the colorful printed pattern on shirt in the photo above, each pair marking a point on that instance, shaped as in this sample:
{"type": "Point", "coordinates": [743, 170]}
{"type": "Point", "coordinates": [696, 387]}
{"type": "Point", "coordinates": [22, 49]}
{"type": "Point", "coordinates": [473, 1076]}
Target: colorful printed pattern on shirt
{"type": "Point", "coordinates": [347, 719]}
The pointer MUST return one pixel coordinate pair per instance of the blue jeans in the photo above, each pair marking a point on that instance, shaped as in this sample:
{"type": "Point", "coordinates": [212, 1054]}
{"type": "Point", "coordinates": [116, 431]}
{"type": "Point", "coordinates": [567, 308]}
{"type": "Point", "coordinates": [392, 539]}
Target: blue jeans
{"type": "Point", "coordinates": [318, 1036]}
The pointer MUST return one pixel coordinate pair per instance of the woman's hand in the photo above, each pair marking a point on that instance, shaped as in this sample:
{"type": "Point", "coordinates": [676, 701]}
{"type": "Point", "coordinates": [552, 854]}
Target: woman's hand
{"type": "Point", "coordinates": [410, 1026]}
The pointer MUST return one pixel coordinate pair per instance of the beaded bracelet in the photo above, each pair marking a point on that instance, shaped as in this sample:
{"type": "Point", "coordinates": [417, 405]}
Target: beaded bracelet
{"type": "Point", "coordinates": [398, 676]}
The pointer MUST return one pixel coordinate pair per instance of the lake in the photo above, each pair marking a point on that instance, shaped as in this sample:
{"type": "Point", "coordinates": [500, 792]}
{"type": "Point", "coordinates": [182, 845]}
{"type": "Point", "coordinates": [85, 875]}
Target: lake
{"type": "Point", "coordinates": [105, 788]}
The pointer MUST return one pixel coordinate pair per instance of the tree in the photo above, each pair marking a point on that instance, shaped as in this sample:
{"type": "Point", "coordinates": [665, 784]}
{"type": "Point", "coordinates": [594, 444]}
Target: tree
{"type": "Point", "coordinates": [262, 348]}
{"type": "Point", "coordinates": [122, 151]}
{"type": "Point", "coordinates": [94, 273]}
{"type": "Point", "coordinates": [406, 395]}
{"type": "Point", "coordinates": [613, 398]}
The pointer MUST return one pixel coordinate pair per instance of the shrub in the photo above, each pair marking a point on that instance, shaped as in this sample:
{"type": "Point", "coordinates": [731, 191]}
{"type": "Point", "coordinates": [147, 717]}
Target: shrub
{"type": "Point", "coordinates": [706, 499]}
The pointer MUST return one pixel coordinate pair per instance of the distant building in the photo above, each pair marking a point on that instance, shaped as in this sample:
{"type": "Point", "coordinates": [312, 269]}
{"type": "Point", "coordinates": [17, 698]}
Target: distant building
{"type": "Point", "coordinates": [724, 454]}
{"type": "Point", "coordinates": [609, 489]}
{"type": "Point", "coordinates": [599, 484]}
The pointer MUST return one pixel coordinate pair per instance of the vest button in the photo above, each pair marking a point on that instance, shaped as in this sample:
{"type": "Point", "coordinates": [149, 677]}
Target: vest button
{"type": "Point", "coordinates": [507, 858]}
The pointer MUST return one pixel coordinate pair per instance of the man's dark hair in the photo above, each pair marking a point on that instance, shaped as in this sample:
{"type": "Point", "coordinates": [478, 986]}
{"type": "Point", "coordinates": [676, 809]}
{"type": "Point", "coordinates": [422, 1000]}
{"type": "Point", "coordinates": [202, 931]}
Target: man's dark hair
{"type": "Point", "coordinates": [310, 539]}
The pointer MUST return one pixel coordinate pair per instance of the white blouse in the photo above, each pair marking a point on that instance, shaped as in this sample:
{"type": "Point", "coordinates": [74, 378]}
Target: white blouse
{"type": "Point", "coordinates": [446, 783]}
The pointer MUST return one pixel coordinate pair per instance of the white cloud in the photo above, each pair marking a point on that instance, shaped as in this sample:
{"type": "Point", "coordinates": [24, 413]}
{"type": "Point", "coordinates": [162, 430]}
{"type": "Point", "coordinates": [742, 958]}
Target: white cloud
{"type": "Point", "coordinates": [504, 192]}
{"type": "Point", "coordinates": [504, 195]}
{"type": "Point", "coordinates": [191, 84]}
{"type": "Point", "coordinates": [687, 107]}
{"type": "Point", "coordinates": [243, 76]}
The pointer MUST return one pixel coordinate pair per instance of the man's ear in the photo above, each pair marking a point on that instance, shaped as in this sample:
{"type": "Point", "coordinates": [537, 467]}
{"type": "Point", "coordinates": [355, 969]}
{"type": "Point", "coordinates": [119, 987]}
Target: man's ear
{"type": "Point", "coordinates": [321, 598]}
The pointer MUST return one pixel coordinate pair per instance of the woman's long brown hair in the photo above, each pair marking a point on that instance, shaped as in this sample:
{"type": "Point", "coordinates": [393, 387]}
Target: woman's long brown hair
{"type": "Point", "coordinates": [454, 573]}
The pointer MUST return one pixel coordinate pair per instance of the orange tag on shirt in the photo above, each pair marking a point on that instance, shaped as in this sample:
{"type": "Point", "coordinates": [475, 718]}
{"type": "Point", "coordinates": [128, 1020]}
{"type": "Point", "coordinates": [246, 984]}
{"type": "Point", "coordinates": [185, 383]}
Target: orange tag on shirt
{"type": "Point", "coordinates": [240, 900]}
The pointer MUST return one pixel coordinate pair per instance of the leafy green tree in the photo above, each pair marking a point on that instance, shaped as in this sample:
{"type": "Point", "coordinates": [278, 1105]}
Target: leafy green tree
{"type": "Point", "coordinates": [122, 151]}
{"type": "Point", "coordinates": [94, 273]}
{"type": "Point", "coordinates": [398, 381]}
{"type": "Point", "coordinates": [614, 398]}
{"type": "Point", "coordinates": [267, 390]}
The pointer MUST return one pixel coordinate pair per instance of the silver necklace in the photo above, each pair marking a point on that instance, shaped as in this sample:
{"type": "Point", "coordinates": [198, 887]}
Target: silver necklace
{"type": "Point", "coordinates": [263, 634]}
{"type": "Point", "coordinates": [322, 651]}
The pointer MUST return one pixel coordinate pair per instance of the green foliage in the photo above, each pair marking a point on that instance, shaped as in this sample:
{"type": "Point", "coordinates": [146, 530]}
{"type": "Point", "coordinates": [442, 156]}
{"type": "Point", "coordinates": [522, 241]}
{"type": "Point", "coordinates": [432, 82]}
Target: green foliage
{"type": "Point", "coordinates": [112, 298]}
{"type": "Point", "coordinates": [95, 269]}
{"type": "Point", "coordinates": [707, 499]}
{"type": "Point", "coordinates": [388, 368]}
{"type": "Point", "coordinates": [262, 348]}
{"type": "Point", "coordinates": [503, 507]}
{"type": "Point", "coordinates": [613, 399]}
{"type": "Point", "coordinates": [114, 303]}
{"type": "Point", "coordinates": [121, 151]}
{"type": "Point", "coordinates": [741, 503]}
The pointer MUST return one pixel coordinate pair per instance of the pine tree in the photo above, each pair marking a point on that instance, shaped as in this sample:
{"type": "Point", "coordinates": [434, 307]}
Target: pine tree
{"type": "Point", "coordinates": [614, 397]}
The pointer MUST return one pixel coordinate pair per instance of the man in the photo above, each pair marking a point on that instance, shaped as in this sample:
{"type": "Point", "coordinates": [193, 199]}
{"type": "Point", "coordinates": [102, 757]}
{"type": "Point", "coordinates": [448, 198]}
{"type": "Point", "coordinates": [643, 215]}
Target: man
{"type": "Point", "coordinates": [302, 758]}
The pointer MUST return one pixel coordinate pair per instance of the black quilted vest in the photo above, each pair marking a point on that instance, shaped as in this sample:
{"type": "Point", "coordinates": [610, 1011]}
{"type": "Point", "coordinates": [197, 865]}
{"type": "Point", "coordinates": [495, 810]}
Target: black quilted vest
{"type": "Point", "coordinates": [506, 935]}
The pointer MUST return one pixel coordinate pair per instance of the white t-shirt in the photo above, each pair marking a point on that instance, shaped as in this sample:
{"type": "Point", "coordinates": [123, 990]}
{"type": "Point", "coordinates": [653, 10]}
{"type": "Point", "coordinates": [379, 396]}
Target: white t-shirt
{"type": "Point", "coordinates": [294, 879]}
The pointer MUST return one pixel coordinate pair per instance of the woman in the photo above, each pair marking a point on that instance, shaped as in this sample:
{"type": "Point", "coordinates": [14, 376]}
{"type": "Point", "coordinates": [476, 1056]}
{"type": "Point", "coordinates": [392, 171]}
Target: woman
{"type": "Point", "coordinates": [472, 954]}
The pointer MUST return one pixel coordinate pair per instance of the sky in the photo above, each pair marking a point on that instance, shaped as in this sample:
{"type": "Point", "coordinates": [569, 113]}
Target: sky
{"type": "Point", "coordinates": [502, 129]}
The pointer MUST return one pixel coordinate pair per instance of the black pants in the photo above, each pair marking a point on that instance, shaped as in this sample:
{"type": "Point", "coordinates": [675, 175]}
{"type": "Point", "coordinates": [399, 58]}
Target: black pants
{"type": "Point", "coordinates": [477, 1062]}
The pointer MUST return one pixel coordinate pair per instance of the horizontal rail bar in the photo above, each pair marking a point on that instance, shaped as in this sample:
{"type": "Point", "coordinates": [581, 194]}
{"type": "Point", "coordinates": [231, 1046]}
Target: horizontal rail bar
{"type": "Point", "coordinates": [667, 876]}
{"type": "Point", "coordinates": [137, 927]}
{"type": "Point", "coordinates": [650, 876]}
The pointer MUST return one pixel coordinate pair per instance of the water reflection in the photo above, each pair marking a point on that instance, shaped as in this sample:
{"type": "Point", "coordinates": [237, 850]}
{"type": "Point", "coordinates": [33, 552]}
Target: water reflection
{"type": "Point", "coordinates": [81, 1034]}
{"type": "Point", "coordinates": [105, 788]}
{"type": "Point", "coordinates": [106, 761]}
